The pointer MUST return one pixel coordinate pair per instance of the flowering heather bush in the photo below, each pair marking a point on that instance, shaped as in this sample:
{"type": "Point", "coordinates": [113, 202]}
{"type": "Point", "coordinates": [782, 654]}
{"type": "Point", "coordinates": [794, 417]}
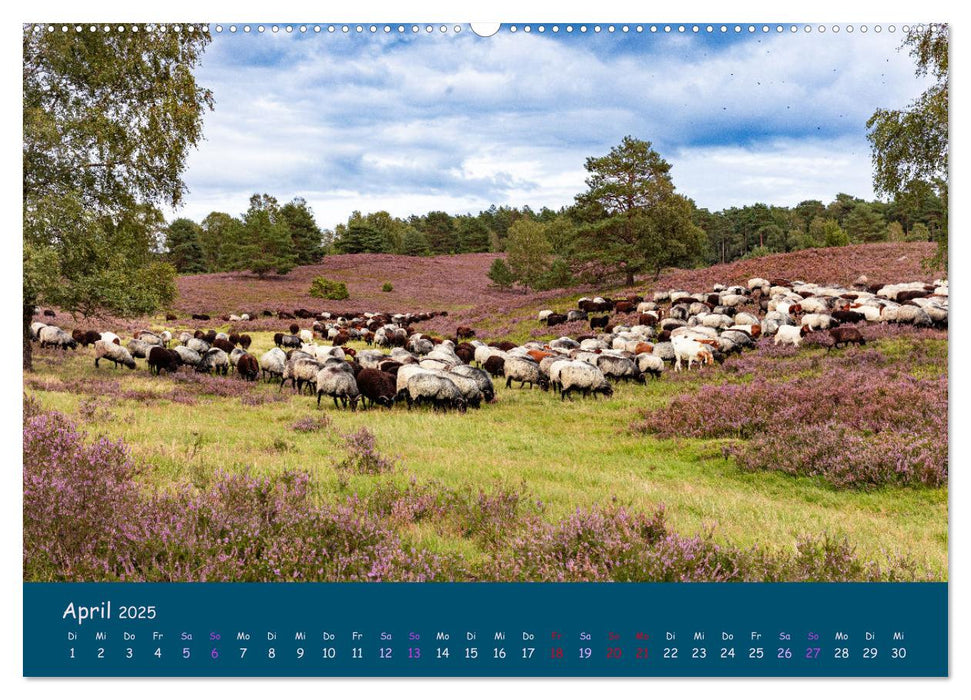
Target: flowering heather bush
{"type": "Point", "coordinates": [86, 518]}
{"type": "Point", "coordinates": [310, 424]}
{"type": "Point", "coordinates": [613, 544]}
{"type": "Point", "coordinates": [856, 426]}
{"type": "Point", "coordinates": [362, 455]}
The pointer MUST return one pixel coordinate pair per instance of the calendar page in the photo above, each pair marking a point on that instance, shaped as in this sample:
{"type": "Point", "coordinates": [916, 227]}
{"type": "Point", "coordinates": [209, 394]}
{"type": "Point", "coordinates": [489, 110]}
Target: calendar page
{"type": "Point", "coordinates": [398, 349]}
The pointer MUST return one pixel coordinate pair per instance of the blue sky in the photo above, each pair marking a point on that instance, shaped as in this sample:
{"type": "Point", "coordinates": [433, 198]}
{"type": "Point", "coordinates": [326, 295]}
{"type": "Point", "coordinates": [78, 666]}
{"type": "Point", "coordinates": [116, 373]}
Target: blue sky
{"type": "Point", "coordinates": [452, 121]}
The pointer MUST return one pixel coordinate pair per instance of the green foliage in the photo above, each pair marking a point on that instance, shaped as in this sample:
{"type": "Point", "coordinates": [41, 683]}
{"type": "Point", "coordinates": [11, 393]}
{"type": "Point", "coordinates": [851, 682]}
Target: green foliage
{"type": "Point", "coordinates": [911, 145]}
{"type": "Point", "coordinates": [108, 121]}
{"type": "Point", "coordinates": [919, 232]}
{"type": "Point", "coordinates": [439, 228]}
{"type": "Point", "coordinates": [833, 235]}
{"type": "Point", "coordinates": [414, 243]}
{"type": "Point", "coordinates": [864, 224]}
{"type": "Point", "coordinates": [473, 235]}
{"type": "Point", "coordinates": [528, 252]}
{"type": "Point", "coordinates": [219, 236]}
{"type": "Point", "coordinates": [500, 274]}
{"type": "Point", "coordinates": [304, 231]}
{"type": "Point", "coordinates": [323, 288]}
{"type": "Point", "coordinates": [264, 243]}
{"type": "Point", "coordinates": [759, 251]}
{"type": "Point", "coordinates": [183, 241]}
{"type": "Point", "coordinates": [387, 287]}
{"type": "Point", "coordinates": [557, 277]}
{"type": "Point", "coordinates": [633, 221]}
{"type": "Point", "coordinates": [894, 232]}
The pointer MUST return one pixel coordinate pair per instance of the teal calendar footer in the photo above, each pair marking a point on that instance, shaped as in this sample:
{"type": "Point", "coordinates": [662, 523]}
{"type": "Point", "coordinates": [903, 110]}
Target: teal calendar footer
{"type": "Point", "coordinates": [460, 629]}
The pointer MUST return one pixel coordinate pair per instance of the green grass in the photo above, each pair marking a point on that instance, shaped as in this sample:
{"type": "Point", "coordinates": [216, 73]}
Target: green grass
{"type": "Point", "coordinates": [569, 454]}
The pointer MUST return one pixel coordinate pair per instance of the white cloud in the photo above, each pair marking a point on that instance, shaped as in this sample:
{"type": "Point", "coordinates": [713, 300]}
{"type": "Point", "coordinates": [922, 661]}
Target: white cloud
{"type": "Point", "coordinates": [459, 122]}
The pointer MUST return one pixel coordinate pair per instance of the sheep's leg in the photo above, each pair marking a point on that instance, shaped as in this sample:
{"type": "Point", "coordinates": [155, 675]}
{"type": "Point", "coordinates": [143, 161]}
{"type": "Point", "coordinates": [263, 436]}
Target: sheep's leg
{"type": "Point", "coordinates": [318, 399]}
{"type": "Point", "coordinates": [508, 382]}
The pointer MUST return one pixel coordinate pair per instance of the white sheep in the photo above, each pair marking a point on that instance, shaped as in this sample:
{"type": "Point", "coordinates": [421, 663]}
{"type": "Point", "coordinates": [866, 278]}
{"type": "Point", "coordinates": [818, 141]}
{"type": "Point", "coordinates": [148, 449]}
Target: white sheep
{"type": "Point", "coordinates": [115, 353]}
{"type": "Point", "coordinates": [692, 351]}
{"type": "Point", "coordinates": [584, 377]}
{"type": "Point", "coordinates": [791, 335]}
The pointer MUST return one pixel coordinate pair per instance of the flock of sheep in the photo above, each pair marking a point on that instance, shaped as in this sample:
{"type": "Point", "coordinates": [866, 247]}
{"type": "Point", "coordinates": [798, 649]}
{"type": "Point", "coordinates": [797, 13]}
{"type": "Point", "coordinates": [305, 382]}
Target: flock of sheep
{"type": "Point", "coordinates": [631, 339]}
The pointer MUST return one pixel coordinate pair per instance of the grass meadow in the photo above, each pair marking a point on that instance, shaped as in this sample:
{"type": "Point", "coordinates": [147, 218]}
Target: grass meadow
{"type": "Point", "coordinates": [557, 456]}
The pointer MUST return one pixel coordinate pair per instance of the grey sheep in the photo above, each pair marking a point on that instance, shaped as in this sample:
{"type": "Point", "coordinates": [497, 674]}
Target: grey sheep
{"type": "Point", "coordinates": [441, 392]}
{"type": "Point", "coordinates": [214, 360]}
{"type": "Point", "coordinates": [114, 353]}
{"type": "Point", "coordinates": [52, 336]}
{"type": "Point", "coordinates": [338, 384]}
{"type": "Point", "coordinates": [525, 372]}
{"type": "Point", "coordinates": [579, 376]}
{"type": "Point", "coordinates": [480, 377]}
{"type": "Point", "coordinates": [300, 370]}
{"type": "Point", "coordinates": [617, 367]}
{"type": "Point", "coordinates": [272, 363]}
{"type": "Point", "coordinates": [189, 357]}
{"type": "Point", "coordinates": [139, 348]}
{"type": "Point", "coordinates": [198, 344]}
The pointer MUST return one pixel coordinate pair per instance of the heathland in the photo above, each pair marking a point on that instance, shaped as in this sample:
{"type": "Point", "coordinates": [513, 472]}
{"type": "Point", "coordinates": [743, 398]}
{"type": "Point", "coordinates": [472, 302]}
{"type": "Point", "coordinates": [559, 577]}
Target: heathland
{"type": "Point", "coordinates": [780, 464]}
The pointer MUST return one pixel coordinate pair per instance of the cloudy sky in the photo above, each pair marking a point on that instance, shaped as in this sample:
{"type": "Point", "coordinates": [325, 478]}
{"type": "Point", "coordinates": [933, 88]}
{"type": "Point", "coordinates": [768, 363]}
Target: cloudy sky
{"type": "Point", "coordinates": [420, 121]}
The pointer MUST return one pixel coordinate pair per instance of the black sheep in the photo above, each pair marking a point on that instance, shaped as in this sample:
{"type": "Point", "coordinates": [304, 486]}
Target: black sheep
{"type": "Point", "coordinates": [494, 365]}
{"type": "Point", "coordinates": [248, 367]}
{"type": "Point", "coordinates": [376, 386]}
{"type": "Point", "coordinates": [555, 319]}
{"type": "Point", "coordinates": [245, 341]}
{"type": "Point", "coordinates": [599, 322]}
{"type": "Point", "coordinates": [162, 358]}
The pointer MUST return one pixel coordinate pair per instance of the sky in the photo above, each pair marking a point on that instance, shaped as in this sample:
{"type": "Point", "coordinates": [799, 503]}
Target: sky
{"type": "Point", "coordinates": [413, 122]}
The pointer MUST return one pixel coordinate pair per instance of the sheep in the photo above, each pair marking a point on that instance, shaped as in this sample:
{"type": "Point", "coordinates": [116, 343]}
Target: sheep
{"type": "Point", "coordinates": [85, 338]}
{"type": "Point", "coordinates": [140, 348]}
{"type": "Point", "coordinates": [648, 363]}
{"type": "Point", "coordinates": [599, 322]}
{"type": "Point", "coordinates": [440, 391]}
{"type": "Point", "coordinates": [495, 365]}
{"type": "Point", "coordinates": [199, 345]}
{"type": "Point", "coordinates": [543, 315]}
{"type": "Point", "coordinates": [110, 337]}
{"type": "Point", "coordinates": [300, 370]}
{"type": "Point", "coordinates": [555, 320]}
{"type": "Point", "coordinates": [245, 341]}
{"type": "Point", "coordinates": [160, 358]}
{"type": "Point", "coordinates": [580, 376]}
{"type": "Point", "coordinates": [35, 329]}
{"type": "Point", "coordinates": [149, 337]}
{"type": "Point", "coordinates": [223, 344]}
{"type": "Point", "coordinates": [52, 336]}
{"type": "Point", "coordinates": [109, 351]}
{"type": "Point", "coordinates": [214, 359]}
{"type": "Point", "coordinates": [480, 377]}
{"type": "Point", "coordinates": [286, 341]}
{"type": "Point", "coordinates": [791, 335]}
{"type": "Point", "coordinates": [248, 367]}
{"type": "Point", "coordinates": [376, 386]}
{"type": "Point", "coordinates": [844, 335]}
{"type": "Point", "coordinates": [524, 371]}
{"type": "Point", "coordinates": [306, 336]}
{"type": "Point", "coordinates": [187, 356]}
{"type": "Point", "coordinates": [817, 321]}
{"type": "Point", "coordinates": [617, 367]}
{"type": "Point", "coordinates": [691, 350]}
{"type": "Point", "coordinates": [339, 384]}
{"type": "Point", "coordinates": [272, 363]}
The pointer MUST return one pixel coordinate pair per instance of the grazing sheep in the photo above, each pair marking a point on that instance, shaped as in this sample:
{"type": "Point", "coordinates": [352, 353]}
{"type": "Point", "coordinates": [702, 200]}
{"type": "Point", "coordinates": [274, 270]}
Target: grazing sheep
{"type": "Point", "coordinates": [650, 364]}
{"type": "Point", "coordinates": [245, 341]}
{"type": "Point", "coordinates": [214, 360]}
{"type": "Point", "coordinates": [788, 334]}
{"type": "Point", "coordinates": [84, 338]}
{"type": "Point", "coordinates": [115, 353]}
{"type": "Point", "coordinates": [199, 345]}
{"type": "Point", "coordinates": [583, 377]}
{"type": "Point", "coordinates": [52, 336]}
{"type": "Point", "coordinates": [35, 329]}
{"type": "Point", "coordinates": [306, 336]}
{"type": "Point", "coordinates": [300, 369]}
{"type": "Point", "coordinates": [817, 321]}
{"type": "Point", "coordinates": [150, 338]}
{"type": "Point", "coordinates": [441, 392]}
{"type": "Point", "coordinates": [524, 371]}
{"type": "Point", "coordinates": [248, 367]}
{"type": "Point", "coordinates": [599, 322]}
{"type": "Point", "coordinates": [286, 341]}
{"type": "Point", "coordinates": [691, 350]}
{"type": "Point", "coordinates": [160, 358]}
{"type": "Point", "coordinates": [616, 367]}
{"type": "Point", "coordinates": [543, 315]}
{"type": "Point", "coordinates": [844, 335]}
{"type": "Point", "coordinates": [339, 384]}
{"type": "Point", "coordinates": [223, 344]}
{"type": "Point", "coordinates": [377, 387]}
{"type": "Point", "coordinates": [272, 363]}
{"type": "Point", "coordinates": [495, 365]}
{"type": "Point", "coordinates": [187, 356]}
{"type": "Point", "coordinates": [480, 377]}
{"type": "Point", "coordinates": [139, 348]}
{"type": "Point", "coordinates": [555, 319]}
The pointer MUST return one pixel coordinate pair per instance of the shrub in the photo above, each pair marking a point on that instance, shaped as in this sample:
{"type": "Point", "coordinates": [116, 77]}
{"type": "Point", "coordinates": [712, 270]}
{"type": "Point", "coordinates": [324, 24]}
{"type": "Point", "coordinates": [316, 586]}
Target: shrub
{"type": "Point", "coordinates": [323, 288]}
{"type": "Point", "coordinates": [387, 287]}
{"type": "Point", "coordinates": [362, 455]}
{"type": "Point", "coordinates": [500, 274]}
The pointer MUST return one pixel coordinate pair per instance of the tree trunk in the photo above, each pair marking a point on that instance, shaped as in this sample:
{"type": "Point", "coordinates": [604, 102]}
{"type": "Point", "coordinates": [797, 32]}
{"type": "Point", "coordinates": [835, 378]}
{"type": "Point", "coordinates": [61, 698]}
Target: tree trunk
{"type": "Point", "coordinates": [28, 317]}
{"type": "Point", "coordinates": [630, 278]}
